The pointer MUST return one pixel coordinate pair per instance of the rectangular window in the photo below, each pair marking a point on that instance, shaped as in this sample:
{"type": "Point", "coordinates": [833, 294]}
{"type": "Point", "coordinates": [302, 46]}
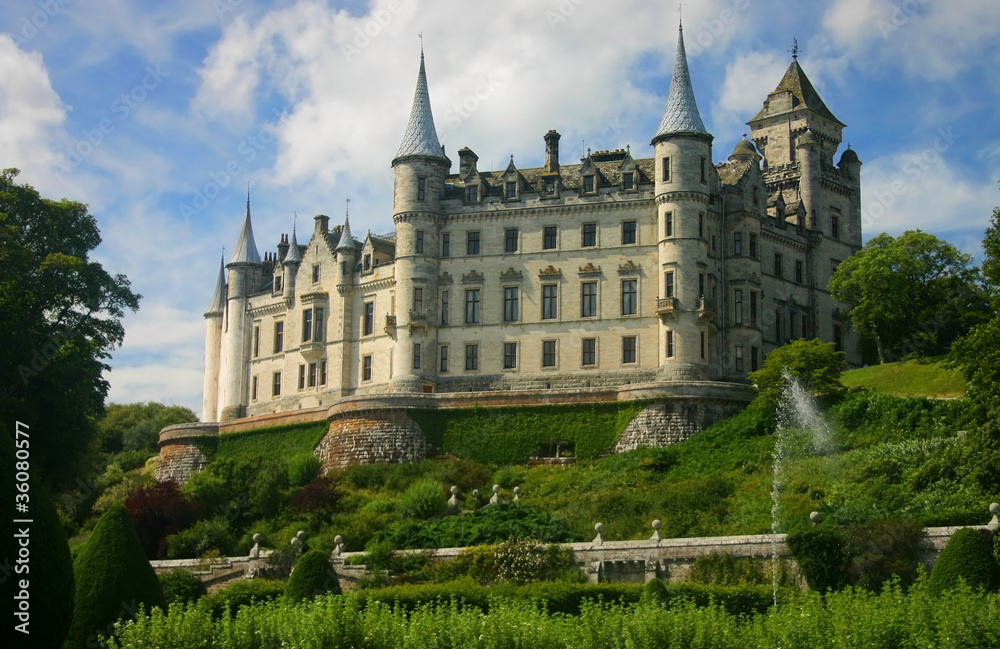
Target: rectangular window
{"type": "Point", "coordinates": [416, 356]}
{"type": "Point", "coordinates": [472, 357]}
{"type": "Point", "coordinates": [511, 189]}
{"type": "Point", "coordinates": [276, 384]}
{"type": "Point", "coordinates": [312, 375]}
{"type": "Point", "coordinates": [670, 344]}
{"type": "Point", "coordinates": [701, 285]}
{"type": "Point", "coordinates": [445, 304]}
{"type": "Point", "coordinates": [588, 184]}
{"type": "Point", "coordinates": [704, 170]}
{"type": "Point", "coordinates": [421, 188]}
{"type": "Point", "coordinates": [798, 271]}
{"type": "Point", "coordinates": [322, 372]}
{"type": "Point", "coordinates": [550, 297]}
{"type": "Point", "coordinates": [739, 358]}
{"type": "Point", "coordinates": [668, 284]}
{"type": "Point", "coordinates": [777, 264]}
{"type": "Point", "coordinates": [713, 243]}
{"type": "Point", "coordinates": [628, 180]}
{"type": "Point", "coordinates": [835, 227]}
{"type": "Point", "coordinates": [589, 235]}
{"type": "Point", "coordinates": [777, 326]}
{"type": "Point", "coordinates": [302, 377]}
{"type": "Point", "coordinates": [668, 224]}
{"type": "Point", "coordinates": [277, 283]}
{"type": "Point", "coordinates": [737, 244]}
{"type": "Point", "coordinates": [753, 245]}
{"type": "Point", "coordinates": [366, 368]}
{"type": "Point", "coordinates": [367, 262]}
{"type": "Point", "coordinates": [472, 193]}
{"type": "Point", "coordinates": [420, 242]}
{"type": "Point", "coordinates": [838, 338]}
{"type": "Point", "coordinates": [256, 341]}
{"type": "Point", "coordinates": [510, 240]}
{"type": "Point", "coordinates": [738, 306]}
{"type": "Point", "coordinates": [628, 349]}
{"type": "Point", "coordinates": [630, 295]}
{"type": "Point", "coordinates": [589, 347]}
{"type": "Point", "coordinates": [307, 325]}
{"type": "Point", "coordinates": [446, 244]}
{"type": "Point", "coordinates": [418, 299]}
{"type": "Point", "coordinates": [753, 308]}
{"type": "Point", "coordinates": [588, 299]}
{"type": "Point", "coordinates": [702, 345]}
{"type": "Point", "coordinates": [318, 325]}
{"type": "Point", "coordinates": [279, 336]}
{"type": "Point", "coordinates": [472, 243]}
{"type": "Point", "coordinates": [444, 358]}
{"type": "Point", "coordinates": [754, 356]}
{"type": "Point", "coordinates": [472, 306]}
{"type": "Point", "coordinates": [509, 356]}
{"type": "Point", "coordinates": [549, 237]}
{"type": "Point", "coordinates": [665, 166]}
{"type": "Point", "coordinates": [369, 322]}
{"type": "Point", "coordinates": [548, 353]}
{"type": "Point", "coordinates": [343, 268]}
{"type": "Point", "coordinates": [628, 232]}
{"type": "Point", "coordinates": [253, 388]}
{"type": "Point", "coordinates": [701, 225]}
{"type": "Point", "coordinates": [315, 273]}
{"type": "Point", "coordinates": [510, 304]}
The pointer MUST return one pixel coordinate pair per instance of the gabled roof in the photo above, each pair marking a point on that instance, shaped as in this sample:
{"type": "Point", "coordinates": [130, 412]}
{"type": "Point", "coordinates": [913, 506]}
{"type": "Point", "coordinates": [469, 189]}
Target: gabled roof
{"type": "Point", "coordinates": [246, 249]}
{"type": "Point", "coordinates": [681, 114]}
{"type": "Point", "coordinates": [218, 303]}
{"type": "Point", "coordinates": [796, 82]}
{"type": "Point", "coordinates": [421, 137]}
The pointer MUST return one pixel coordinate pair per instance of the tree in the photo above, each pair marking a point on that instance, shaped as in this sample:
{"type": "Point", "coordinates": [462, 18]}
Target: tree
{"type": "Point", "coordinates": [816, 363]}
{"type": "Point", "coordinates": [60, 313]}
{"type": "Point", "coordinates": [912, 295]}
{"type": "Point", "coordinates": [136, 426]}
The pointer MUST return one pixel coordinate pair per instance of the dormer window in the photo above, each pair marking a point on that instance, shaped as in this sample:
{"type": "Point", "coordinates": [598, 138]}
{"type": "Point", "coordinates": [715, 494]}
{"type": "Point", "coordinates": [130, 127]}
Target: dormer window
{"type": "Point", "coordinates": [367, 262]}
{"type": "Point", "coordinates": [510, 189]}
{"type": "Point", "coordinates": [628, 180]}
{"type": "Point", "coordinates": [472, 193]}
{"type": "Point", "coordinates": [549, 187]}
{"type": "Point", "coordinates": [277, 283]}
{"type": "Point", "coordinates": [588, 184]}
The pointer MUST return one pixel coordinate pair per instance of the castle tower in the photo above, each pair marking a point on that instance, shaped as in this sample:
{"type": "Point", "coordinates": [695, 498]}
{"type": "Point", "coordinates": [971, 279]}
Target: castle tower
{"type": "Point", "coordinates": [683, 150]}
{"type": "Point", "coordinates": [420, 168]}
{"type": "Point", "coordinates": [346, 252]}
{"type": "Point", "coordinates": [290, 266]}
{"type": "Point", "coordinates": [213, 347]}
{"type": "Point", "coordinates": [245, 270]}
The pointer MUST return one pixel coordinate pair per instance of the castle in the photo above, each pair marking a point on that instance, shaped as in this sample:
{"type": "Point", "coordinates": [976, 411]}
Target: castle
{"type": "Point", "coordinates": [616, 271]}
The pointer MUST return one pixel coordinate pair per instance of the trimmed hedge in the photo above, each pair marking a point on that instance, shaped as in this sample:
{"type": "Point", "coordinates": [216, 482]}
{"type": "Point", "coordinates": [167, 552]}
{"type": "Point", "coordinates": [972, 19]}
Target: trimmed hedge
{"type": "Point", "coordinates": [512, 435]}
{"type": "Point", "coordinates": [289, 442]}
{"type": "Point", "coordinates": [487, 526]}
{"type": "Point", "coordinates": [313, 575]}
{"type": "Point", "coordinates": [968, 557]}
{"type": "Point", "coordinates": [113, 579]}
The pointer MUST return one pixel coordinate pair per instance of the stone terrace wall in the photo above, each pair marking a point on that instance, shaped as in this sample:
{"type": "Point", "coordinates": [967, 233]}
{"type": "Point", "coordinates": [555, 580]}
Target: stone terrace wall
{"type": "Point", "coordinates": [672, 421]}
{"type": "Point", "coordinates": [385, 436]}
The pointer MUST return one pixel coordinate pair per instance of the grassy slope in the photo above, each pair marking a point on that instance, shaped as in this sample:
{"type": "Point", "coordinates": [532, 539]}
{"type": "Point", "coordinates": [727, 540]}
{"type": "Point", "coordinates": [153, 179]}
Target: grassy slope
{"type": "Point", "coordinates": [917, 378]}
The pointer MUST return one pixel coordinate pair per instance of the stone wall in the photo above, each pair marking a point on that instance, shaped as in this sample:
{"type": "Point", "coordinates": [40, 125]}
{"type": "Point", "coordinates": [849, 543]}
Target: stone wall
{"type": "Point", "coordinates": [179, 456]}
{"type": "Point", "coordinates": [673, 421]}
{"type": "Point", "coordinates": [371, 437]}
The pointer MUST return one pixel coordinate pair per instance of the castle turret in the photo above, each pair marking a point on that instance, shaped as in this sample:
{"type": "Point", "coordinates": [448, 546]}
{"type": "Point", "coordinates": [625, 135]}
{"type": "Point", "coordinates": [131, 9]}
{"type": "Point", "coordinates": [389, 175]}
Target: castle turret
{"type": "Point", "coordinates": [245, 270]}
{"type": "Point", "coordinates": [346, 325]}
{"type": "Point", "coordinates": [290, 265]}
{"type": "Point", "coordinates": [420, 169]}
{"type": "Point", "coordinates": [213, 347]}
{"type": "Point", "coordinates": [850, 165]}
{"type": "Point", "coordinates": [683, 149]}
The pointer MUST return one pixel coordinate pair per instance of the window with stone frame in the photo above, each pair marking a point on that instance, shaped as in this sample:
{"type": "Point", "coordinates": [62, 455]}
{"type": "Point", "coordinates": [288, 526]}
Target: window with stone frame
{"type": "Point", "coordinates": [629, 347]}
{"type": "Point", "coordinates": [550, 301]}
{"type": "Point", "coordinates": [366, 368]}
{"type": "Point", "coordinates": [588, 299]}
{"type": "Point", "coordinates": [589, 349]}
{"type": "Point", "coordinates": [548, 353]}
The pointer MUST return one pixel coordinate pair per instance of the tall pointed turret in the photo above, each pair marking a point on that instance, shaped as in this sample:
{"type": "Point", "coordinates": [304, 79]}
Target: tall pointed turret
{"type": "Point", "coordinates": [421, 137]}
{"type": "Point", "coordinates": [246, 248]}
{"type": "Point", "coordinates": [218, 303]}
{"type": "Point", "coordinates": [294, 255]}
{"type": "Point", "coordinates": [681, 114]}
{"type": "Point", "coordinates": [213, 347]}
{"type": "Point", "coordinates": [346, 240]}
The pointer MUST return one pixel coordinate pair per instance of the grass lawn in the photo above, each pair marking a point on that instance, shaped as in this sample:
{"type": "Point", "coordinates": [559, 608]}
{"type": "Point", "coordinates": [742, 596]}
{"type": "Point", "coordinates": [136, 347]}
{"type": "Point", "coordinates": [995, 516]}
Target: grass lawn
{"type": "Point", "coordinates": [917, 378]}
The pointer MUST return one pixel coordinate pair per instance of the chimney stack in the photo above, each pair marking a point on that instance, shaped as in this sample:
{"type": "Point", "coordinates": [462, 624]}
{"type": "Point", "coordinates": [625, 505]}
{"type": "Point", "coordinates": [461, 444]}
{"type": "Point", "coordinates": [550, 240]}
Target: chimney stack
{"type": "Point", "coordinates": [552, 152]}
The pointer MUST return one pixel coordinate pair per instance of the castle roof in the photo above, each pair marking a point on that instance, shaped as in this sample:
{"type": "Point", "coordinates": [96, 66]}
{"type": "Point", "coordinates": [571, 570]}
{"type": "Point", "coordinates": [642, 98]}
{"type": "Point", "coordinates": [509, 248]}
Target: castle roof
{"type": "Point", "coordinates": [803, 93]}
{"type": "Point", "coordinates": [681, 114]}
{"type": "Point", "coordinates": [346, 240]}
{"type": "Point", "coordinates": [421, 137]}
{"type": "Point", "coordinates": [731, 173]}
{"type": "Point", "coordinates": [849, 156]}
{"type": "Point", "coordinates": [294, 254]}
{"type": "Point", "coordinates": [246, 249]}
{"type": "Point", "coordinates": [218, 303]}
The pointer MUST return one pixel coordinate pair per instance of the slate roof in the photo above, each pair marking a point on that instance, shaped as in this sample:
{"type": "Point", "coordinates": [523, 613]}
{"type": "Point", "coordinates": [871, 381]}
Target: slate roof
{"type": "Point", "coordinates": [681, 113]}
{"type": "Point", "coordinates": [246, 249]}
{"type": "Point", "coordinates": [421, 137]}
{"type": "Point", "coordinates": [218, 304]}
{"type": "Point", "coordinates": [803, 93]}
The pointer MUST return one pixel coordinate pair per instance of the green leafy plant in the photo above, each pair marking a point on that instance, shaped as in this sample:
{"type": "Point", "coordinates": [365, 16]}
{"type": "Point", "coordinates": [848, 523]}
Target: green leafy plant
{"type": "Point", "coordinates": [313, 575]}
{"type": "Point", "coordinates": [424, 499]}
{"type": "Point", "coordinates": [968, 557]}
{"type": "Point", "coordinates": [181, 586]}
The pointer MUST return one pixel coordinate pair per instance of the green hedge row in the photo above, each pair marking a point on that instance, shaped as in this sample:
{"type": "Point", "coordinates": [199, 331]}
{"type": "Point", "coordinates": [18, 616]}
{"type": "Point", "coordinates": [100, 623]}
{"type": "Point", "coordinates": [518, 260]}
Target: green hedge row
{"type": "Point", "coordinates": [296, 440]}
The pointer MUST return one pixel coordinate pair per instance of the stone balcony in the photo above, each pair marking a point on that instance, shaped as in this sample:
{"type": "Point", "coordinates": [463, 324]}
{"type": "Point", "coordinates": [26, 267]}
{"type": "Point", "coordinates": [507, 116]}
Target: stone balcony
{"type": "Point", "coordinates": [667, 306]}
{"type": "Point", "coordinates": [706, 309]}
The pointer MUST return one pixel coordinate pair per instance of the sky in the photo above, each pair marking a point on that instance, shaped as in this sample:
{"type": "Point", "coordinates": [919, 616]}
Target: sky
{"type": "Point", "coordinates": [158, 115]}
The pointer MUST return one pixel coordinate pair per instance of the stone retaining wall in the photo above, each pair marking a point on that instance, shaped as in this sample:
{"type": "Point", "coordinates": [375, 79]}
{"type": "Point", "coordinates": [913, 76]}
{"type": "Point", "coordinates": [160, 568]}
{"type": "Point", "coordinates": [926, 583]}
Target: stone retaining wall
{"type": "Point", "coordinates": [371, 437]}
{"type": "Point", "coordinates": [672, 421]}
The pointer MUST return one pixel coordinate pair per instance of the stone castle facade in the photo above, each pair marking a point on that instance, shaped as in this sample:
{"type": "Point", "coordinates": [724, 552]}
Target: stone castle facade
{"type": "Point", "coordinates": [615, 271]}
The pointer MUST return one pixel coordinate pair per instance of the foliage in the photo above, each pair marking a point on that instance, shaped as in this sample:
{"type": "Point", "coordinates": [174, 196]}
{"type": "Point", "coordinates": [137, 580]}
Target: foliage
{"type": "Point", "coordinates": [282, 442]}
{"type": "Point", "coordinates": [313, 575]}
{"type": "Point", "coordinates": [319, 498]}
{"type": "Point", "coordinates": [60, 313]}
{"type": "Point", "coordinates": [240, 594]}
{"type": "Point", "coordinates": [723, 569]}
{"type": "Point", "coordinates": [883, 551]}
{"type": "Point", "coordinates": [113, 579]}
{"type": "Point", "coordinates": [484, 526]}
{"type": "Point", "coordinates": [181, 586]}
{"type": "Point", "coordinates": [519, 561]}
{"type": "Point", "coordinates": [968, 557]}
{"type": "Point", "coordinates": [424, 499]}
{"type": "Point", "coordinates": [50, 579]}
{"type": "Point", "coordinates": [136, 426]}
{"type": "Point", "coordinates": [655, 593]}
{"type": "Point", "coordinates": [911, 294]}
{"type": "Point", "coordinates": [813, 362]}
{"type": "Point", "coordinates": [205, 536]}
{"type": "Point", "coordinates": [303, 469]}
{"type": "Point", "coordinates": [821, 556]}
{"type": "Point", "coordinates": [157, 511]}
{"type": "Point", "coordinates": [512, 435]}
{"type": "Point", "coordinates": [914, 378]}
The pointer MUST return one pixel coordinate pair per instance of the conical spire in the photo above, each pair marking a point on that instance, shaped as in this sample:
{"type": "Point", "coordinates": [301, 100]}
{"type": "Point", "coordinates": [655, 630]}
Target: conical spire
{"type": "Point", "coordinates": [294, 255]}
{"type": "Point", "coordinates": [218, 303]}
{"type": "Point", "coordinates": [681, 113]}
{"type": "Point", "coordinates": [246, 249]}
{"type": "Point", "coordinates": [346, 240]}
{"type": "Point", "coordinates": [803, 93]}
{"type": "Point", "coordinates": [421, 137]}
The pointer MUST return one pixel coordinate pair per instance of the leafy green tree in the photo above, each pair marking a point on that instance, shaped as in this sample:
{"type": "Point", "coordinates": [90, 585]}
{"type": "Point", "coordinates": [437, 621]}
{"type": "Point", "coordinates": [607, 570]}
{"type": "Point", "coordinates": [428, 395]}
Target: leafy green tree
{"type": "Point", "coordinates": [911, 295]}
{"type": "Point", "coordinates": [136, 426]}
{"type": "Point", "coordinates": [816, 363]}
{"type": "Point", "coordinates": [60, 313]}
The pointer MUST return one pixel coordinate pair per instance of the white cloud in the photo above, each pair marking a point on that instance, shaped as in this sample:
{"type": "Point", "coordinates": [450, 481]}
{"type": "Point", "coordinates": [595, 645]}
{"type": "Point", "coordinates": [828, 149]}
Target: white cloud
{"type": "Point", "coordinates": [749, 79]}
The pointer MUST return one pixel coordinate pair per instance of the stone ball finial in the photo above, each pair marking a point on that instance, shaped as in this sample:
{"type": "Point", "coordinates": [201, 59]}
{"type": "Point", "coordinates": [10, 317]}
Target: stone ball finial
{"type": "Point", "coordinates": [338, 539]}
{"type": "Point", "coordinates": [995, 509]}
{"type": "Point", "coordinates": [816, 518]}
{"type": "Point", "coordinates": [496, 488]}
{"type": "Point", "coordinates": [599, 528]}
{"type": "Point", "coordinates": [257, 537]}
{"type": "Point", "coordinates": [295, 542]}
{"type": "Point", "coordinates": [657, 524]}
{"type": "Point", "coordinates": [475, 493]}
{"type": "Point", "coordinates": [300, 535]}
{"type": "Point", "coordinates": [517, 493]}
{"type": "Point", "coordinates": [454, 490]}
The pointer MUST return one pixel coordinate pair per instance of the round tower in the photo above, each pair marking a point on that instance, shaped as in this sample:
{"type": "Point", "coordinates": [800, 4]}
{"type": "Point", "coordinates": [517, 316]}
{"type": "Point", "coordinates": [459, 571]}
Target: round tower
{"type": "Point", "coordinates": [341, 355]}
{"type": "Point", "coordinates": [850, 164]}
{"type": "Point", "coordinates": [213, 347]}
{"type": "Point", "coordinates": [420, 168]}
{"type": "Point", "coordinates": [809, 151]}
{"type": "Point", "coordinates": [290, 269]}
{"type": "Point", "coordinates": [683, 152]}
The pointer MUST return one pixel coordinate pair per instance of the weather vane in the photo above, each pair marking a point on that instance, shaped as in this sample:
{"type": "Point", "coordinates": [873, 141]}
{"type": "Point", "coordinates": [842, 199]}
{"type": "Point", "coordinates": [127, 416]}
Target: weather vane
{"type": "Point", "coordinates": [348, 210]}
{"type": "Point", "coordinates": [795, 49]}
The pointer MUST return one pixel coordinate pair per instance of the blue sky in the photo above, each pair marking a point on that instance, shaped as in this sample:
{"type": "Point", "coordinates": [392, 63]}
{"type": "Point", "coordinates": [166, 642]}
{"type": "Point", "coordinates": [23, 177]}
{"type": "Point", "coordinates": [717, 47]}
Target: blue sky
{"type": "Point", "coordinates": [158, 114]}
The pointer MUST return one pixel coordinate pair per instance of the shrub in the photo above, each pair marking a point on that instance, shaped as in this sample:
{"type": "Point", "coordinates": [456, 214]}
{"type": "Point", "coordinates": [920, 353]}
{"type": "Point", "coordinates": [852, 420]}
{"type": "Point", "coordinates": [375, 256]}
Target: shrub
{"type": "Point", "coordinates": [882, 549]}
{"type": "Point", "coordinates": [303, 469]}
{"type": "Point", "coordinates": [113, 579]}
{"type": "Point", "coordinates": [821, 556]}
{"type": "Point", "coordinates": [655, 593]}
{"type": "Point", "coordinates": [485, 526]}
{"type": "Point", "coordinates": [968, 557]}
{"type": "Point", "coordinates": [424, 499]}
{"type": "Point", "coordinates": [157, 511]}
{"type": "Point", "coordinates": [313, 575]}
{"type": "Point", "coordinates": [181, 587]}
{"type": "Point", "coordinates": [240, 594]}
{"type": "Point", "coordinates": [203, 537]}
{"type": "Point", "coordinates": [319, 498]}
